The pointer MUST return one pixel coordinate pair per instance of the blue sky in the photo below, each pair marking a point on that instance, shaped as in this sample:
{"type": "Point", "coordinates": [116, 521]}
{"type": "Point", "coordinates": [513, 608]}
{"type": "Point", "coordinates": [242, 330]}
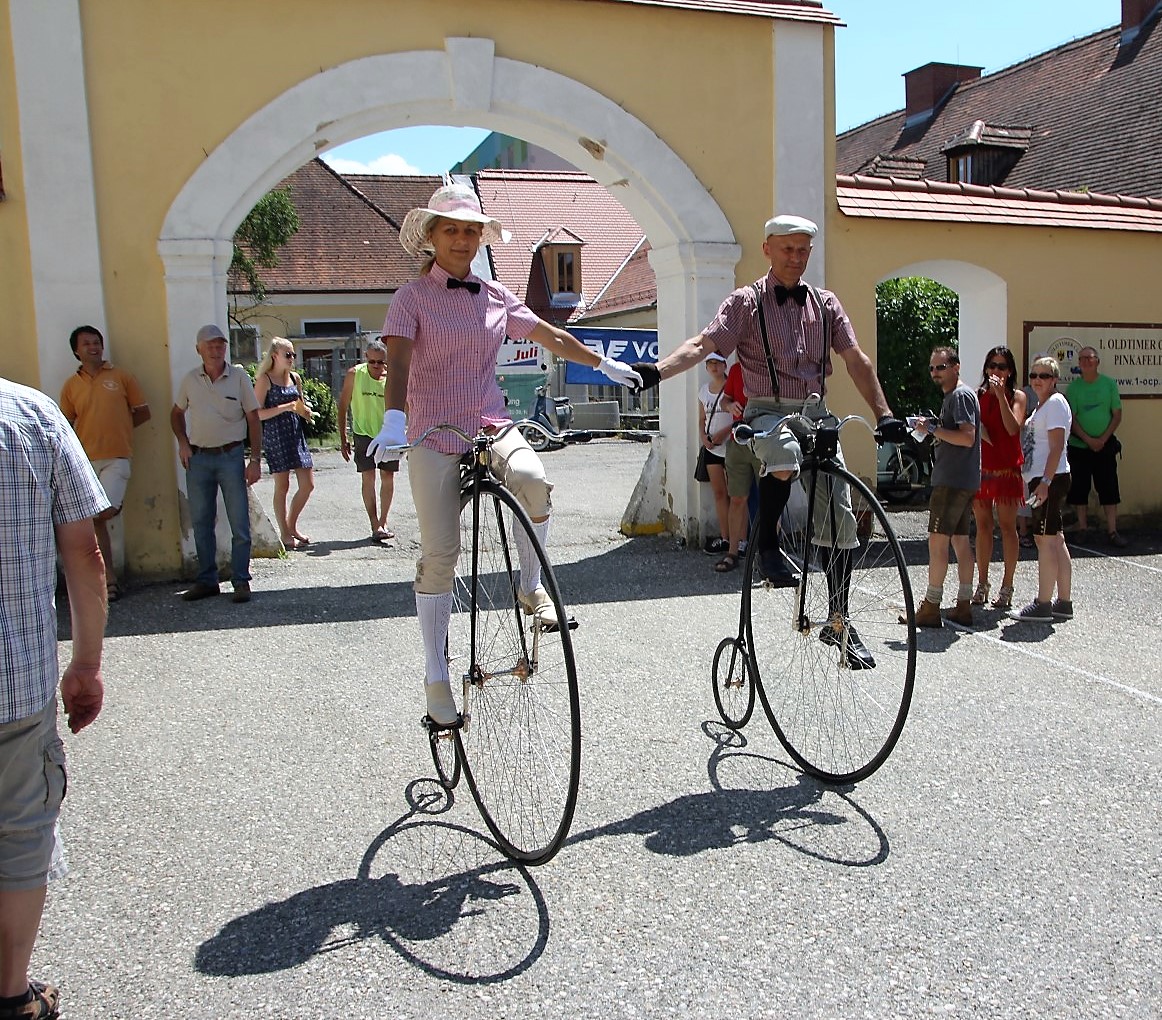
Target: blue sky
{"type": "Point", "coordinates": [882, 40]}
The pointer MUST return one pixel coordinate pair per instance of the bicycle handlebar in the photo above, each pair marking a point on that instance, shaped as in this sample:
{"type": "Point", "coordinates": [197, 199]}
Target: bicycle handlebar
{"type": "Point", "coordinates": [489, 438]}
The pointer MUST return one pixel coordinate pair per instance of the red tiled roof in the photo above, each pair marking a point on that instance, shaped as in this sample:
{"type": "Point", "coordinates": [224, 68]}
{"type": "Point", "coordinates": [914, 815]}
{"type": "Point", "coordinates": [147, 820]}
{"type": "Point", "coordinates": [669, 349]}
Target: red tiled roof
{"type": "Point", "coordinates": [1093, 109]}
{"type": "Point", "coordinates": [938, 201]}
{"type": "Point", "coordinates": [789, 10]}
{"type": "Point", "coordinates": [346, 242]}
{"type": "Point", "coordinates": [535, 204]}
{"type": "Point", "coordinates": [633, 287]}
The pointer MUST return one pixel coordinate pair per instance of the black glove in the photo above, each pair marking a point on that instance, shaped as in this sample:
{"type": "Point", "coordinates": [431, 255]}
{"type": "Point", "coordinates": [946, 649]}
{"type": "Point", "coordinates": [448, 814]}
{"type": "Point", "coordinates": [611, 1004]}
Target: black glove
{"type": "Point", "coordinates": [891, 430]}
{"type": "Point", "coordinates": [651, 377]}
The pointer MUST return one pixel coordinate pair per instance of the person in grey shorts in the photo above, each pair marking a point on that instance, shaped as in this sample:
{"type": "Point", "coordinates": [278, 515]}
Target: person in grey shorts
{"type": "Point", "coordinates": [955, 481]}
{"type": "Point", "coordinates": [49, 495]}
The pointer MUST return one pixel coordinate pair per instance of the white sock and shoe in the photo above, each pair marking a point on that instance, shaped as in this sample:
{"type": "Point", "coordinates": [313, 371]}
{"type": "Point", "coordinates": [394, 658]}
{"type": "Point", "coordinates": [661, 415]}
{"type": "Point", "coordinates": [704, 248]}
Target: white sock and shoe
{"type": "Point", "coordinates": [532, 594]}
{"type": "Point", "coordinates": [434, 612]}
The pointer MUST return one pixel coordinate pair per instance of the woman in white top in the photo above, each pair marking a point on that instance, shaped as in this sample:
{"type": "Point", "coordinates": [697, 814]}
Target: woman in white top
{"type": "Point", "coordinates": [715, 417]}
{"type": "Point", "coordinates": [1046, 475]}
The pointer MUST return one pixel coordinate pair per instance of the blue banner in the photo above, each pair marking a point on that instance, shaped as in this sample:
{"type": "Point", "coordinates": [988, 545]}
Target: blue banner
{"type": "Point", "coordinates": [628, 345]}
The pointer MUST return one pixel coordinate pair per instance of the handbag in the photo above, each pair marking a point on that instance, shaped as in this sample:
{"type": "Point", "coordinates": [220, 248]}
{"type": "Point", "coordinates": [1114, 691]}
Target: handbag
{"type": "Point", "coordinates": [701, 474]}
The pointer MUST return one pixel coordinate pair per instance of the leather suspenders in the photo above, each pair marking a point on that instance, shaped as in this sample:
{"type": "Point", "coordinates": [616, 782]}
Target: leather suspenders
{"type": "Point", "coordinates": [823, 318]}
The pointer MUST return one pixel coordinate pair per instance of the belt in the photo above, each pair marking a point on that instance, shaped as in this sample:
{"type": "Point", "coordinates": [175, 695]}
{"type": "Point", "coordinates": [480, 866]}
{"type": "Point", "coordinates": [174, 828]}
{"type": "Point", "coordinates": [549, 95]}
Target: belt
{"type": "Point", "coordinates": [216, 449]}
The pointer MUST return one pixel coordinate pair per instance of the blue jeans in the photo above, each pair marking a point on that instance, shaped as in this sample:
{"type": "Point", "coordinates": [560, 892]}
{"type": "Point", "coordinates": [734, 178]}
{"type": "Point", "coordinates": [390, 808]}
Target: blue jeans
{"type": "Point", "coordinates": [207, 473]}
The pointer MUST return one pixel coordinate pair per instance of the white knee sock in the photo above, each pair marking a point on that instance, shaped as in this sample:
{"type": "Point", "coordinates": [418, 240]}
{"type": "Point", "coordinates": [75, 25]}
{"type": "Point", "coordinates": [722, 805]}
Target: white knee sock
{"type": "Point", "coordinates": [530, 565]}
{"type": "Point", "coordinates": [434, 612]}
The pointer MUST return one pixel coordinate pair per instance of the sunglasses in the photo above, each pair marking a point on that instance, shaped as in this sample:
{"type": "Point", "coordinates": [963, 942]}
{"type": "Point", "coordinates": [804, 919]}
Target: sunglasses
{"type": "Point", "coordinates": [376, 361]}
{"type": "Point", "coordinates": [999, 365]}
{"type": "Point", "coordinates": [938, 368]}
{"type": "Point", "coordinates": [288, 354]}
{"type": "Point", "coordinates": [1041, 375]}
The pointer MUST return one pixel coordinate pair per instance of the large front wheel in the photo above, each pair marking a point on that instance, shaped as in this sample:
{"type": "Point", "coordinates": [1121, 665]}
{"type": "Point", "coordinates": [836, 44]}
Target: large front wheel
{"type": "Point", "coordinates": [834, 664]}
{"type": "Point", "coordinates": [521, 734]}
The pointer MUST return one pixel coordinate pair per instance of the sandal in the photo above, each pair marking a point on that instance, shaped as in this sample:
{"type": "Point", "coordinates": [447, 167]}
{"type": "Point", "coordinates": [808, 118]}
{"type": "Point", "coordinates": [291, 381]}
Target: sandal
{"type": "Point", "coordinates": [1004, 599]}
{"type": "Point", "coordinates": [727, 563]}
{"type": "Point", "coordinates": [42, 1004]}
{"type": "Point", "coordinates": [112, 591]}
{"type": "Point", "coordinates": [981, 595]}
{"type": "Point", "coordinates": [1026, 542]}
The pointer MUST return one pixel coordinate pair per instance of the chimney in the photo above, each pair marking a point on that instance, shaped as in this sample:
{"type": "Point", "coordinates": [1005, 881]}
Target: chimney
{"type": "Point", "coordinates": [927, 87]}
{"type": "Point", "coordinates": [1135, 14]}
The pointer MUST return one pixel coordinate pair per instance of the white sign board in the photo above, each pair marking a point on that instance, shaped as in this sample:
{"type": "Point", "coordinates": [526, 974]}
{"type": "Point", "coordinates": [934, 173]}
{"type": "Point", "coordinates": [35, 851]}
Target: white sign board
{"type": "Point", "coordinates": [1131, 353]}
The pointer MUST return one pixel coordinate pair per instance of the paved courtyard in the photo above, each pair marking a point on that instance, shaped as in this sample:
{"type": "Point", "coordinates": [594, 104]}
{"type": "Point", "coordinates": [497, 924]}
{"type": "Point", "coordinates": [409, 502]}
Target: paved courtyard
{"type": "Point", "coordinates": [254, 831]}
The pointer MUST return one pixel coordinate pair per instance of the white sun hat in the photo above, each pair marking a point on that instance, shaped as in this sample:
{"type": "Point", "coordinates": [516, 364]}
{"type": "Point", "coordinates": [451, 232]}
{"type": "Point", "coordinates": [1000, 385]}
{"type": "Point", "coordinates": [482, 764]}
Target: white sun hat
{"type": "Point", "coordinates": [452, 202]}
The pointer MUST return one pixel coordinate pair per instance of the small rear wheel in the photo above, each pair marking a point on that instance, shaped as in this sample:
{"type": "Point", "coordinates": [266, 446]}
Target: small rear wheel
{"type": "Point", "coordinates": [445, 757]}
{"type": "Point", "coordinates": [733, 687]}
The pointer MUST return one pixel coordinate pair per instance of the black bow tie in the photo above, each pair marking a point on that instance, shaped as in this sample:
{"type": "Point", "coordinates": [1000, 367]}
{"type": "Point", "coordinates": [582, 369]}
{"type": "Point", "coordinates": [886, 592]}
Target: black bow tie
{"type": "Point", "coordinates": [799, 293]}
{"type": "Point", "coordinates": [473, 287]}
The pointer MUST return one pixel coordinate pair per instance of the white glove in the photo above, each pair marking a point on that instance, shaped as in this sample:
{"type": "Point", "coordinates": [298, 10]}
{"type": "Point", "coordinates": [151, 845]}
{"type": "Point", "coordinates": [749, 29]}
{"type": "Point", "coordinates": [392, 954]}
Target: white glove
{"type": "Point", "coordinates": [387, 445]}
{"type": "Point", "coordinates": [620, 372]}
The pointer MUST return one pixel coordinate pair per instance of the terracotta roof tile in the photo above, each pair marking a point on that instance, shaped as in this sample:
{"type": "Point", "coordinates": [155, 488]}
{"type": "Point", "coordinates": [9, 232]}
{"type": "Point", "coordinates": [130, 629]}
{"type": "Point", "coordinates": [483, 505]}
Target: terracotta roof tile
{"type": "Point", "coordinates": [632, 287]}
{"type": "Point", "coordinates": [535, 204]}
{"type": "Point", "coordinates": [1092, 107]}
{"type": "Point", "coordinates": [789, 10]}
{"type": "Point", "coordinates": [346, 241]}
{"type": "Point", "coordinates": [938, 201]}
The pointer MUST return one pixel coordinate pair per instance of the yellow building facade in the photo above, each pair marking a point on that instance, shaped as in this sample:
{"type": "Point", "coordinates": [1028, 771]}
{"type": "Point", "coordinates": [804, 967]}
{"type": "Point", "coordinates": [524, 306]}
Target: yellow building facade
{"type": "Point", "coordinates": [135, 136]}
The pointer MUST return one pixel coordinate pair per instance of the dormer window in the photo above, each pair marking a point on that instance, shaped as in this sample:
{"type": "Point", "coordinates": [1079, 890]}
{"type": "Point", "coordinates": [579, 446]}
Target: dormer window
{"type": "Point", "coordinates": [560, 251]}
{"type": "Point", "coordinates": [985, 153]}
{"type": "Point", "coordinates": [565, 282]}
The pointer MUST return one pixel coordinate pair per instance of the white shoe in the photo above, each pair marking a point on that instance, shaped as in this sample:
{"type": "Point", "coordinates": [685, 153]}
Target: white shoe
{"type": "Point", "coordinates": [441, 705]}
{"type": "Point", "coordinates": [538, 605]}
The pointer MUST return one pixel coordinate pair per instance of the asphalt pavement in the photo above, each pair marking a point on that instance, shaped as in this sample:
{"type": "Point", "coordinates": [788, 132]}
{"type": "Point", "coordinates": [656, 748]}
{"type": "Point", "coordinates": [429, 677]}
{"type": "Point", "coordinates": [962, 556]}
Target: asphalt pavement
{"type": "Point", "coordinates": [254, 830]}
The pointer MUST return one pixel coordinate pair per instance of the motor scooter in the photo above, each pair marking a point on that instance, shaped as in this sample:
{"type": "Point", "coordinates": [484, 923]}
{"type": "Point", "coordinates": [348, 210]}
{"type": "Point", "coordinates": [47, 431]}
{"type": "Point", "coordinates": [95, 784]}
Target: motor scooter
{"type": "Point", "coordinates": [554, 414]}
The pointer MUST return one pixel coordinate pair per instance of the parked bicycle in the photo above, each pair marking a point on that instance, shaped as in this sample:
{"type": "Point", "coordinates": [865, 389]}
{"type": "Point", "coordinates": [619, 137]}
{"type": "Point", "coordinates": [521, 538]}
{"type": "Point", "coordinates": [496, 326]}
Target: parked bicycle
{"type": "Point", "coordinates": [518, 738]}
{"type": "Point", "coordinates": [904, 469]}
{"type": "Point", "coordinates": [828, 658]}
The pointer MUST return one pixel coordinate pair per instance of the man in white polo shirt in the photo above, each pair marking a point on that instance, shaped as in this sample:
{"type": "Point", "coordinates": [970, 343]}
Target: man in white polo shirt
{"type": "Point", "coordinates": [214, 411]}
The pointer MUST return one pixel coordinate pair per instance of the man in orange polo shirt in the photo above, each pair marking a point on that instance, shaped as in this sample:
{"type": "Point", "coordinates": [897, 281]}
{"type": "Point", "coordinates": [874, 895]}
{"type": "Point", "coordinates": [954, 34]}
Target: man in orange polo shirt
{"type": "Point", "coordinates": [104, 405]}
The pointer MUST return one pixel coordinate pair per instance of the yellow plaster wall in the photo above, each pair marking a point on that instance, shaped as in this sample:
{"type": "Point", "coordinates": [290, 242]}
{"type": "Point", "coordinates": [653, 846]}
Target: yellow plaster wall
{"type": "Point", "coordinates": [19, 360]}
{"type": "Point", "coordinates": [1051, 276]}
{"type": "Point", "coordinates": [166, 89]}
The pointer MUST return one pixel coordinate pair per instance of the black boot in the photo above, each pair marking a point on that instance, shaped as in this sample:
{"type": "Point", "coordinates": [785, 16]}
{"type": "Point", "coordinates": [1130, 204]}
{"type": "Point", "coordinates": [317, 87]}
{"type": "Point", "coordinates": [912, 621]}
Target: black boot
{"type": "Point", "coordinates": [773, 496]}
{"type": "Point", "coordinates": [837, 565]}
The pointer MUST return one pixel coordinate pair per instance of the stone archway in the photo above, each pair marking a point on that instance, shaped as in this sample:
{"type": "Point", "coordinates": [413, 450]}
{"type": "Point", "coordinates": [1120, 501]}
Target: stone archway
{"type": "Point", "coordinates": [694, 249]}
{"type": "Point", "coordinates": [984, 299]}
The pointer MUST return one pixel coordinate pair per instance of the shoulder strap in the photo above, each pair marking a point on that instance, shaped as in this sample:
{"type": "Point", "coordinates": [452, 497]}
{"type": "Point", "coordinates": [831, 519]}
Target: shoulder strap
{"type": "Point", "coordinates": [758, 297]}
{"type": "Point", "coordinates": [825, 319]}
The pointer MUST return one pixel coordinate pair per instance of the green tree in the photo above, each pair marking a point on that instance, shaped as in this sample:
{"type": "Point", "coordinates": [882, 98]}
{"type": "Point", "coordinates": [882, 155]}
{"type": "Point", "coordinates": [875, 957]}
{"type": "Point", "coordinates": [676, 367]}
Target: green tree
{"type": "Point", "coordinates": [913, 315]}
{"type": "Point", "coordinates": [268, 226]}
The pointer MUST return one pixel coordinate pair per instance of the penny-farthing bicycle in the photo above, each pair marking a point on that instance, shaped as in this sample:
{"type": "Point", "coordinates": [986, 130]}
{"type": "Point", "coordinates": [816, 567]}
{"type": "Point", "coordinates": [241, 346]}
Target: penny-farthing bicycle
{"type": "Point", "coordinates": [832, 658]}
{"type": "Point", "coordinates": [518, 740]}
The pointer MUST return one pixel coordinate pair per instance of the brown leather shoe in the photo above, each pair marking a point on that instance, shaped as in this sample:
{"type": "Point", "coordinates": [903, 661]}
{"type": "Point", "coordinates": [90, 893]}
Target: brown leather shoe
{"type": "Point", "coordinates": [962, 614]}
{"type": "Point", "coordinates": [928, 615]}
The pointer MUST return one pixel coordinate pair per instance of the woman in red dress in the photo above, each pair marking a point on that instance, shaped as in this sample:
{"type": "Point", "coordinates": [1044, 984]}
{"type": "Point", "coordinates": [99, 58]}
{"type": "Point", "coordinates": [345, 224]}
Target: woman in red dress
{"type": "Point", "coordinates": [1002, 413]}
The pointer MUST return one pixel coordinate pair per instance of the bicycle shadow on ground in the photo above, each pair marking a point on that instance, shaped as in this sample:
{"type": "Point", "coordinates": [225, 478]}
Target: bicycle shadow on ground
{"type": "Point", "coordinates": [474, 925]}
{"type": "Point", "coordinates": [750, 803]}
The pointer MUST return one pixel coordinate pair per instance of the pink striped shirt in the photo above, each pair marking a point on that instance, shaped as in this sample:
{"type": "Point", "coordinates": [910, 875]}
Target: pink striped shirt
{"type": "Point", "coordinates": [795, 334]}
{"type": "Point", "coordinates": [455, 337]}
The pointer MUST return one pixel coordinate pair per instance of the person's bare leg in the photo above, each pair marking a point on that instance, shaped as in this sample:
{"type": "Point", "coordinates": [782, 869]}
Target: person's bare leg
{"type": "Point", "coordinates": [1082, 510]}
{"type": "Point", "coordinates": [983, 512]}
{"type": "Point", "coordinates": [306, 485]}
{"type": "Point", "coordinates": [386, 494]}
{"type": "Point", "coordinates": [105, 544]}
{"type": "Point", "coordinates": [938, 561]}
{"type": "Point", "coordinates": [20, 913]}
{"type": "Point", "coordinates": [964, 565]}
{"type": "Point", "coordinates": [1064, 569]}
{"type": "Point", "coordinates": [281, 485]}
{"type": "Point", "coordinates": [1007, 519]}
{"type": "Point", "coordinates": [1111, 512]}
{"type": "Point", "coordinates": [721, 500]}
{"type": "Point", "coordinates": [1046, 566]}
{"type": "Point", "coordinates": [367, 483]}
{"type": "Point", "coordinates": [737, 523]}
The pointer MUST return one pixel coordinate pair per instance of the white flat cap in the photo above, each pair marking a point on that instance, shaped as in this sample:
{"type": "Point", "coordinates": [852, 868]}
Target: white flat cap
{"type": "Point", "coordinates": [781, 225]}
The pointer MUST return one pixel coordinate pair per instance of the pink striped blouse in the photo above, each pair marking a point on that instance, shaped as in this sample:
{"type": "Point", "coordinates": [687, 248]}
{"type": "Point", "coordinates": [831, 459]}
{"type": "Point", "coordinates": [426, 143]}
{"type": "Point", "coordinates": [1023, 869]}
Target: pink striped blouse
{"type": "Point", "coordinates": [455, 337]}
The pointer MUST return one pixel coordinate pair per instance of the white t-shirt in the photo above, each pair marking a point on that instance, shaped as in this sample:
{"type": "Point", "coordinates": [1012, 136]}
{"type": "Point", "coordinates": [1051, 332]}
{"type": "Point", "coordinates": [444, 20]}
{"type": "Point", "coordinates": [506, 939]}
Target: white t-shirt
{"type": "Point", "coordinates": [715, 417]}
{"type": "Point", "coordinates": [1053, 414]}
